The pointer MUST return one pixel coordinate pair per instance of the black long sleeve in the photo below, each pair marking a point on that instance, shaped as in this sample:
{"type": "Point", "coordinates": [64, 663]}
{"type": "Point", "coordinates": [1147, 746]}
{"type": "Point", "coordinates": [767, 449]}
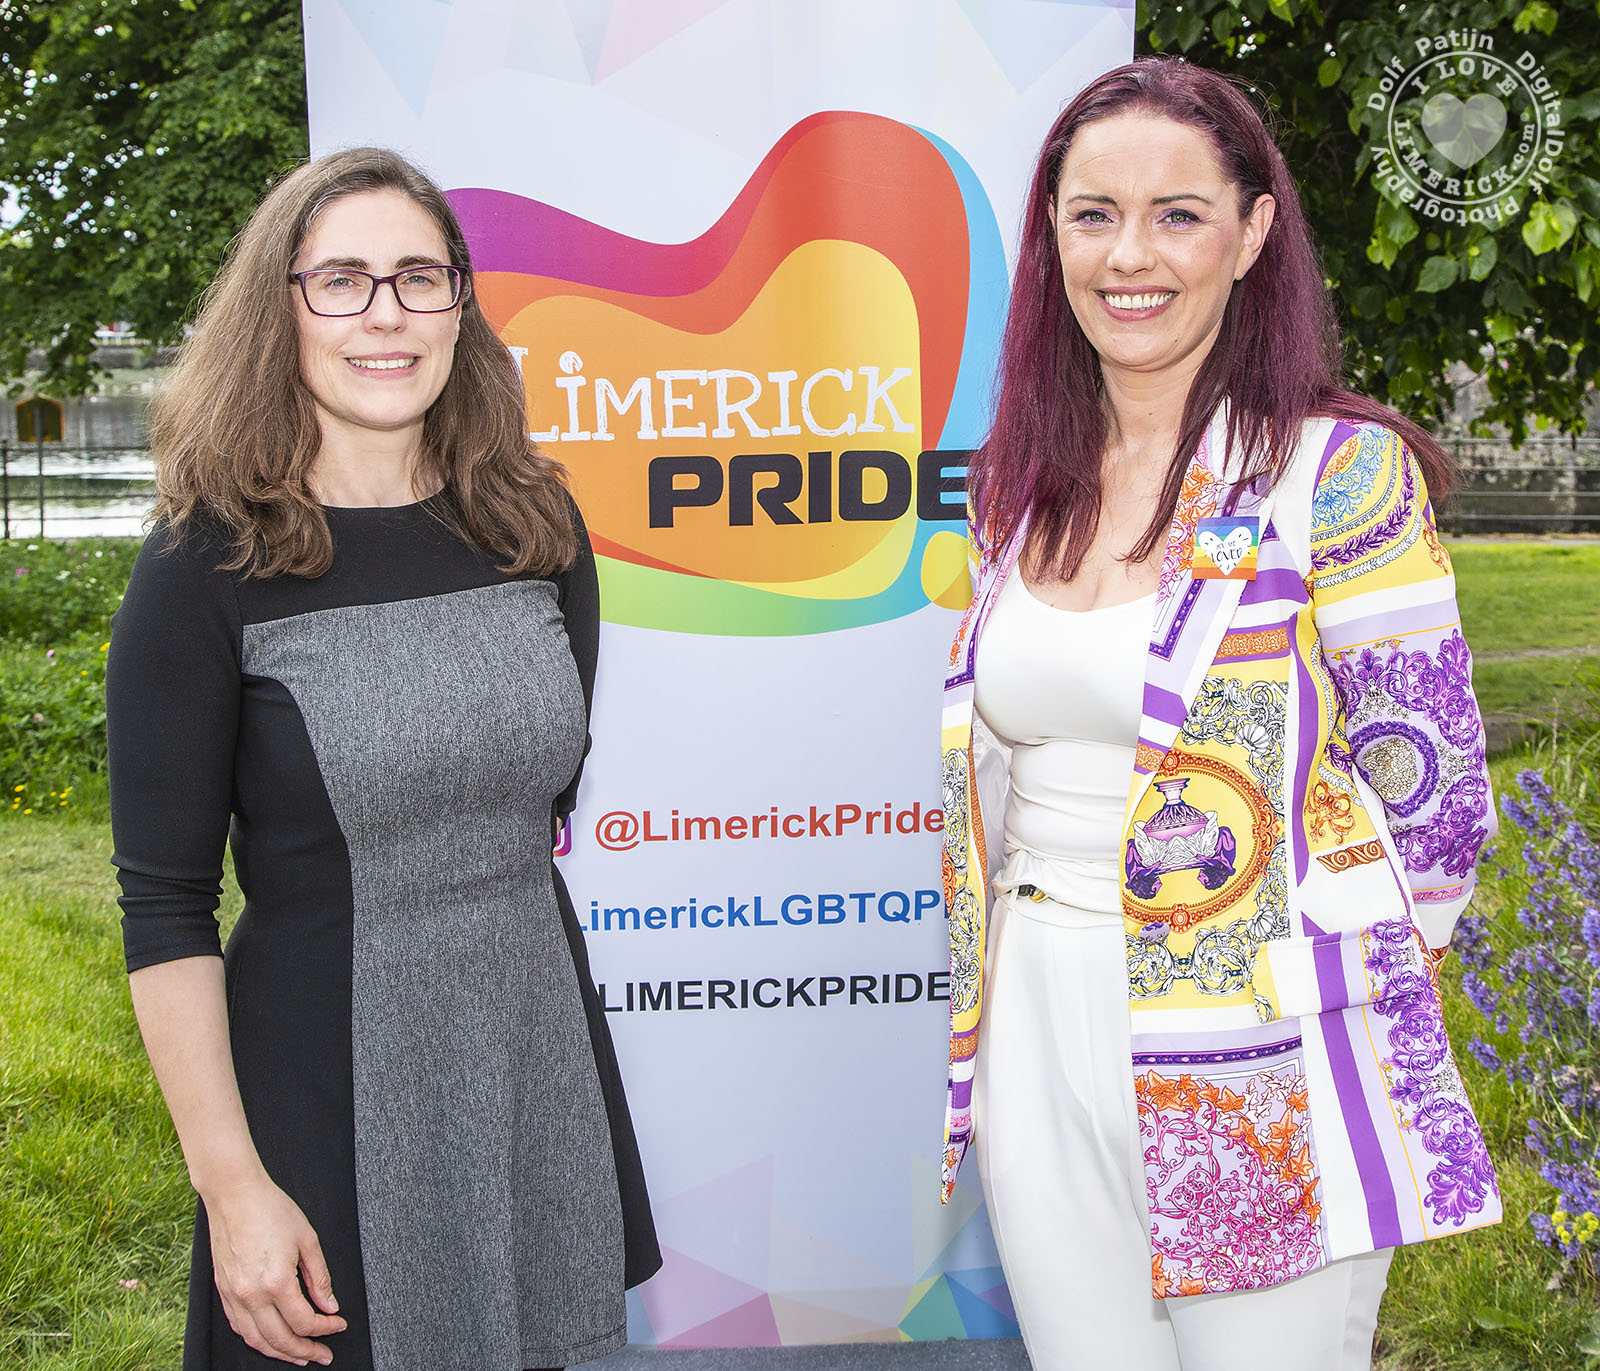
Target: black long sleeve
{"type": "Point", "coordinates": [578, 595]}
{"type": "Point", "coordinates": [172, 715]}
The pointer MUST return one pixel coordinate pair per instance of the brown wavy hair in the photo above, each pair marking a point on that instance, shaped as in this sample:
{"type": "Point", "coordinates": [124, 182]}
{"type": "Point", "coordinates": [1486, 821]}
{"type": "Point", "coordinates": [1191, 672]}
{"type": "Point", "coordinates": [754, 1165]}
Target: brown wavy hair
{"type": "Point", "coordinates": [234, 430]}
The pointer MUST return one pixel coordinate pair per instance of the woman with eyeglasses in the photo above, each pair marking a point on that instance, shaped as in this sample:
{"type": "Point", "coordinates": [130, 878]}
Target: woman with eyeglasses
{"type": "Point", "coordinates": [359, 647]}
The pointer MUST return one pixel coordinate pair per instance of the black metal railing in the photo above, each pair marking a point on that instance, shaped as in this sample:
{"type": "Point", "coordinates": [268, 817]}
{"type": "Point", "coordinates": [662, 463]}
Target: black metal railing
{"type": "Point", "coordinates": [54, 490]}
{"type": "Point", "coordinates": [1548, 486]}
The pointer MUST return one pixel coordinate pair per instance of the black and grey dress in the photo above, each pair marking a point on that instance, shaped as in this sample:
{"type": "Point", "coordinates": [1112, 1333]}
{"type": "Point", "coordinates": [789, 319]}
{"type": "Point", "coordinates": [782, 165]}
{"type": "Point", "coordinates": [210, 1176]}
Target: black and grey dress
{"type": "Point", "coordinates": [424, 1064]}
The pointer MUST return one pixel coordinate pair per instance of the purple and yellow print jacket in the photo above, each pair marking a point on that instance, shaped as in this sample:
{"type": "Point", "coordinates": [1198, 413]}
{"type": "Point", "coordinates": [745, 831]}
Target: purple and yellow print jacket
{"type": "Point", "coordinates": [1309, 800]}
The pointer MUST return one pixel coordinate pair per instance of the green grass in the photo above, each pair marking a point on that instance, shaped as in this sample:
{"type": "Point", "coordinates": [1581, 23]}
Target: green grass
{"type": "Point", "coordinates": [93, 1191]}
{"type": "Point", "coordinates": [1441, 1294]}
{"type": "Point", "coordinates": [1517, 596]}
{"type": "Point", "coordinates": [92, 1186]}
{"type": "Point", "coordinates": [1523, 597]}
{"type": "Point", "coordinates": [1532, 688]}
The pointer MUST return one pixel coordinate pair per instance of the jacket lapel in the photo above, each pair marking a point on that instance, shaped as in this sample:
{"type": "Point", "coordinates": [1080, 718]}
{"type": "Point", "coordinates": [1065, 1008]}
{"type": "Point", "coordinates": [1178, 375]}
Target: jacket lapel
{"type": "Point", "coordinates": [991, 577]}
{"type": "Point", "coordinates": [1192, 613]}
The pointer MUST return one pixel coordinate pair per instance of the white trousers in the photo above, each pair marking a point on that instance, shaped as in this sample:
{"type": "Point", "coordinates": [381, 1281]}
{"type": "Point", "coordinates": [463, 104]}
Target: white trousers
{"type": "Point", "coordinates": [1057, 1143]}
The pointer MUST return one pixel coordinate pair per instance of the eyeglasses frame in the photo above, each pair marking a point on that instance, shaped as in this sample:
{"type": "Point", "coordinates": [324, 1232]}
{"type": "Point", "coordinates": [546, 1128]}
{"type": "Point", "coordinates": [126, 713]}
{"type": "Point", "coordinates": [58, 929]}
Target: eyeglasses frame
{"type": "Point", "coordinates": [392, 281]}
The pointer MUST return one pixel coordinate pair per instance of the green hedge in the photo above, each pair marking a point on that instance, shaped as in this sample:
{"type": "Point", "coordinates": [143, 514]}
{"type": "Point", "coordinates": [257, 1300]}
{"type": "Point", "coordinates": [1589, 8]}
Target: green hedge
{"type": "Point", "coordinates": [56, 603]}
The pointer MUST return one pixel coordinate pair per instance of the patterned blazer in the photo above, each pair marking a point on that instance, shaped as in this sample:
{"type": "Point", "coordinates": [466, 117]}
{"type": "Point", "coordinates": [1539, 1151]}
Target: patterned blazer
{"type": "Point", "coordinates": [1308, 802]}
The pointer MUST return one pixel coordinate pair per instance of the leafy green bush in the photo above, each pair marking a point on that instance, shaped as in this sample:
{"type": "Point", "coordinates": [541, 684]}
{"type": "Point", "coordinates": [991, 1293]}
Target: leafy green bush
{"type": "Point", "coordinates": [51, 591]}
{"type": "Point", "coordinates": [52, 722]}
{"type": "Point", "coordinates": [56, 603]}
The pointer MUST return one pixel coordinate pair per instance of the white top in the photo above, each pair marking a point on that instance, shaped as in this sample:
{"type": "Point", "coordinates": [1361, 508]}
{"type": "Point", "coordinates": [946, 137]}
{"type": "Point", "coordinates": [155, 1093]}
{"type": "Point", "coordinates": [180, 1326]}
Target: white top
{"type": "Point", "coordinates": [1064, 688]}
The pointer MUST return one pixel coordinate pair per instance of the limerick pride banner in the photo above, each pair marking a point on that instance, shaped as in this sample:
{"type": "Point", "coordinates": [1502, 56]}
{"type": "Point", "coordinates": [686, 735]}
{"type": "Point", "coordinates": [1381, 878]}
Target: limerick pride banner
{"type": "Point", "coordinates": [751, 257]}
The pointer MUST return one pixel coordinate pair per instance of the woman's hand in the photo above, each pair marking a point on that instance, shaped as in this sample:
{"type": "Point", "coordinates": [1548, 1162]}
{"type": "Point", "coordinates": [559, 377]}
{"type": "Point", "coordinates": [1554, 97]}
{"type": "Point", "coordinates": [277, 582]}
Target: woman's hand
{"type": "Point", "coordinates": [262, 1246]}
{"type": "Point", "coordinates": [262, 1249]}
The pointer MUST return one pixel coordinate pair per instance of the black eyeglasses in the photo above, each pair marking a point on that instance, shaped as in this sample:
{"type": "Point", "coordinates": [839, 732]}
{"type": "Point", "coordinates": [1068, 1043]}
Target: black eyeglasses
{"type": "Point", "coordinates": [340, 291]}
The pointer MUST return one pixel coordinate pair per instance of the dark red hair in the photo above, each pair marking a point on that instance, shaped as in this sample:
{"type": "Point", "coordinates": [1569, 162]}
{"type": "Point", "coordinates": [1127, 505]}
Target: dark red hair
{"type": "Point", "coordinates": [1276, 359]}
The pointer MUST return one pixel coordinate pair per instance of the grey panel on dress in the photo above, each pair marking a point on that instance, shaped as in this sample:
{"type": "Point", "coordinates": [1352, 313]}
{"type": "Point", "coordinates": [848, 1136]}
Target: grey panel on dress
{"type": "Point", "coordinates": [491, 1228]}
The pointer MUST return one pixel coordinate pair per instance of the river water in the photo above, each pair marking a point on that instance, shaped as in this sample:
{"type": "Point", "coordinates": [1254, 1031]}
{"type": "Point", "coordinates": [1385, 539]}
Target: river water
{"type": "Point", "coordinates": [99, 482]}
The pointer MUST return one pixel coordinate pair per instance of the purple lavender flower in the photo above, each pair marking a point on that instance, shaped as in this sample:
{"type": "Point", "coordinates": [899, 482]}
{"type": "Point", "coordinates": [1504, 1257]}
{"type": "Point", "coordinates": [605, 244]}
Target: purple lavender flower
{"type": "Point", "coordinates": [1485, 1054]}
{"type": "Point", "coordinates": [1532, 973]}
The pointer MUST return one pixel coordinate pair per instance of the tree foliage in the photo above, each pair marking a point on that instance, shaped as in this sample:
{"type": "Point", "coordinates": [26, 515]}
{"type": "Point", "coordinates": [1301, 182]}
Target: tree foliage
{"type": "Point", "coordinates": [135, 138]}
{"type": "Point", "coordinates": [1517, 300]}
{"type": "Point", "coordinates": [136, 135]}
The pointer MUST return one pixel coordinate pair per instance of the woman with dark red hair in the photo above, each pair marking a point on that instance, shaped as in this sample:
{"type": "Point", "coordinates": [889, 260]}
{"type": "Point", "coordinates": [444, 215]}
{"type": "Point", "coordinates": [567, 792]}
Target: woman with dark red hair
{"type": "Point", "coordinates": [1214, 775]}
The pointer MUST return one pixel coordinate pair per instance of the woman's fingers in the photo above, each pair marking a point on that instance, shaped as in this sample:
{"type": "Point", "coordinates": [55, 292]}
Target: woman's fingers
{"type": "Point", "coordinates": [261, 1245]}
{"type": "Point", "coordinates": [314, 1272]}
{"type": "Point", "coordinates": [283, 1342]}
{"type": "Point", "coordinates": [253, 1331]}
{"type": "Point", "coordinates": [294, 1309]}
{"type": "Point", "coordinates": [278, 1322]}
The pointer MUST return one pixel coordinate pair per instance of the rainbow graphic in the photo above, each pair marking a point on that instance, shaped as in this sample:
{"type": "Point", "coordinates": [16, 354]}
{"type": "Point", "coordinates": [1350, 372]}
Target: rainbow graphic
{"type": "Point", "coordinates": [1225, 548]}
{"type": "Point", "coordinates": [766, 426]}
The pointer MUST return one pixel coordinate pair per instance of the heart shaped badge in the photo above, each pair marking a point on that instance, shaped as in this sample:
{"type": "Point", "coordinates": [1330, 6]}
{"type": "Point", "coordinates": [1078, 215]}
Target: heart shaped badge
{"type": "Point", "coordinates": [1225, 548]}
{"type": "Point", "coordinates": [1465, 131]}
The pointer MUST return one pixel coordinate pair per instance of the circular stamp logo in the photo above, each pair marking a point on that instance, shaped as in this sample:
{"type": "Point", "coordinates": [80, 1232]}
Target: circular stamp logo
{"type": "Point", "coordinates": [1468, 132]}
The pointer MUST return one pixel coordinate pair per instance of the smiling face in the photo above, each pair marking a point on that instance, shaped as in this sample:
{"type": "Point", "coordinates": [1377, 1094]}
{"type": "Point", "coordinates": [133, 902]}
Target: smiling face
{"type": "Point", "coordinates": [376, 372]}
{"type": "Point", "coordinates": [1151, 242]}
